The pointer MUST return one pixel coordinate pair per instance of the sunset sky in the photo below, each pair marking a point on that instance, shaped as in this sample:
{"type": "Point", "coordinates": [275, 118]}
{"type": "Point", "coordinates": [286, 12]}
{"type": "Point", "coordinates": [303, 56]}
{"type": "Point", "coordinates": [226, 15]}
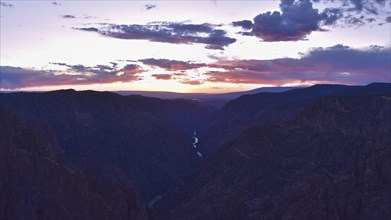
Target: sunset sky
{"type": "Point", "coordinates": [193, 46]}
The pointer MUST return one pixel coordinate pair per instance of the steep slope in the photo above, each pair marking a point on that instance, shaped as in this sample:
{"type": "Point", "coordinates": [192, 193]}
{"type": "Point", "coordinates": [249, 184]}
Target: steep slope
{"type": "Point", "coordinates": [270, 108]}
{"type": "Point", "coordinates": [142, 142]}
{"type": "Point", "coordinates": [331, 162]}
{"type": "Point", "coordinates": [37, 183]}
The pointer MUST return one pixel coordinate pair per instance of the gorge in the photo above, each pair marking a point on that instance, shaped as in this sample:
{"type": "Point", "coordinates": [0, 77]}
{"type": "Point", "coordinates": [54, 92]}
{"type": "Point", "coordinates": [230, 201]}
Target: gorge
{"type": "Point", "coordinates": [315, 152]}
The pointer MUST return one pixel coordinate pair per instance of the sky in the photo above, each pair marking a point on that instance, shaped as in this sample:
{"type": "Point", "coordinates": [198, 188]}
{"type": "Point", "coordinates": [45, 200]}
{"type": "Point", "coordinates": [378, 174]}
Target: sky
{"type": "Point", "coordinates": [192, 46]}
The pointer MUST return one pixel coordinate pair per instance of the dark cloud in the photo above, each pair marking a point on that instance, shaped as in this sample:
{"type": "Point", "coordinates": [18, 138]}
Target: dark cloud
{"type": "Point", "coordinates": [171, 65]}
{"type": "Point", "coordinates": [358, 4]}
{"type": "Point", "coordinates": [367, 6]}
{"type": "Point", "coordinates": [131, 69]}
{"type": "Point", "coordinates": [216, 40]}
{"type": "Point", "coordinates": [114, 64]}
{"type": "Point", "coordinates": [168, 32]}
{"type": "Point", "coordinates": [68, 16]}
{"type": "Point", "coordinates": [81, 68]}
{"type": "Point", "coordinates": [60, 64]}
{"type": "Point", "coordinates": [15, 77]}
{"type": "Point", "coordinates": [245, 24]}
{"type": "Point", "coordinates": [360, 12]}
{"type": "Point", "coordinates": [90, 29]}
{"type": "Point", "coordinates": [388, 19]}
{"type": "Point", "coordinates": [296, 20]}
{"type": "Point", "coordinates": [149, 6]}
{"type": "Point", "coordinates": [103, 69]}
{"type": "Point", "coordinates": [354, 21]}
{"type": "Point", "coordinates": [56, 3]}
{"type": "Point", "coordinates": [381, 2]}
{"type": "Point", "coordinates": [331, 15]}
{"type": "Point", "coordinates": [7, 5]}
{"type": "Point", "coordinates": [337, 64]}
{"type": "Point", "coordinates": [162, 76]}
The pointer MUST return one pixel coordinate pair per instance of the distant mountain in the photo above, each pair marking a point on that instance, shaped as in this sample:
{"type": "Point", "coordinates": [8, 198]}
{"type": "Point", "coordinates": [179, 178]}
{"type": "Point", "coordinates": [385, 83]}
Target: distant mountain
{"type": "Point", "coordinates": [36, 182]}
{"type": "Point", "coordinates": [204, 96]}
{"type": "Point", "coordinates": [141, 142]}
{"type": "Point", "coordinates": [268, 108]}
{"type": "Point", "coordinates": [331, 162]}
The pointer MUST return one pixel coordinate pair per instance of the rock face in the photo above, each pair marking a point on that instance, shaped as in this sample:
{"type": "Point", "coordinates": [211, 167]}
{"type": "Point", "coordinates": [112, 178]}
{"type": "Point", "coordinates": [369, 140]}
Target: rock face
{"type": "Point", "coordinates": [331, 162]}
{"type": "Point", "coordinates": [144, 143]}
{"type": "Point", "coordinates": [36, 182]}
{"type": "Point", "coordinates": [269, 108]}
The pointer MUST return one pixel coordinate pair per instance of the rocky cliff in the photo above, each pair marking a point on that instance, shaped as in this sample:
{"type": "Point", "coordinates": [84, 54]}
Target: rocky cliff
{"type": "Point", "coordinates": [142, 142]}
{"type": "Point", "coordinates": [331, 162]}
{"type": "Point", "coordinates": [36, 182]}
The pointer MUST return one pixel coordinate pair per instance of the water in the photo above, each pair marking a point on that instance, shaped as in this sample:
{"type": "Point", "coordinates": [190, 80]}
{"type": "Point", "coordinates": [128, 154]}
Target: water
{"type": "Point", "coordinates": [195, 142]}
{"type": "Point", "coordinates": [154, 200]}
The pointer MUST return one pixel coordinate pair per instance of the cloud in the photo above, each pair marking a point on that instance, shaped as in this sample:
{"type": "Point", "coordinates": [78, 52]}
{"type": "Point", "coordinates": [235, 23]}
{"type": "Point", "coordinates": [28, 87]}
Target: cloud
{"type": "Point", "coordinates": [114, 64]}
{"type": "Point", "coordinates": [171, 65]}
{"type": "Point", "coordinates": [296, 20]}
{"type": "Point", "coordinates": [89, 17]}
{"type": "Point", "coordinates": [16, 77]}
{"type": "Point", "coordinates": [354, 21]}
{"type": "Point", "coordinates": [331, 15]}
{"type": "Point", "coordinates": [245, 24]}
{"type": "Point", "coordinates": [7, 5]}
{"type": "Point", "coordinates": [149, 6]}
{"type": "Point", "coordinates": [192, 82]}
{"type": "Point", "coordinates": [168, 32]}
{"type": "Point", "coordinates": [358, 4]}
{"type": "Point", "coordinates": [131, 69]}
{"type": "Point", "coordinates": [361, 12]}
{"type": "Point", "coordinates": [90, 29]}
{"type": "Point", "coordinates": [56, 3]}
{"type": "Point", "coordinates": [337, 64]}
{"type": "Point", "coordinates": [388, 19]}
{"type": "Point", "coordinates": [162, 76]}
{"type": "Point", "coordinates": [68, 16]}
{"type": "Point", "coordinates": [367, 6]}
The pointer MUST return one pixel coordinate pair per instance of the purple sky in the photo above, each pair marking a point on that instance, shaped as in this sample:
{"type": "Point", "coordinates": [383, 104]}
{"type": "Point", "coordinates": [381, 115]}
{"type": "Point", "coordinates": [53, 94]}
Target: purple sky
{"type": "Point", "coordinates": [193, 46]}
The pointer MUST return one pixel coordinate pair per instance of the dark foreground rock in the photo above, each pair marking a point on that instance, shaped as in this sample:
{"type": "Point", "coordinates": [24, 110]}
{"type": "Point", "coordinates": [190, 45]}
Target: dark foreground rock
{"type": "Point", "coordinates": [37, 183]}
